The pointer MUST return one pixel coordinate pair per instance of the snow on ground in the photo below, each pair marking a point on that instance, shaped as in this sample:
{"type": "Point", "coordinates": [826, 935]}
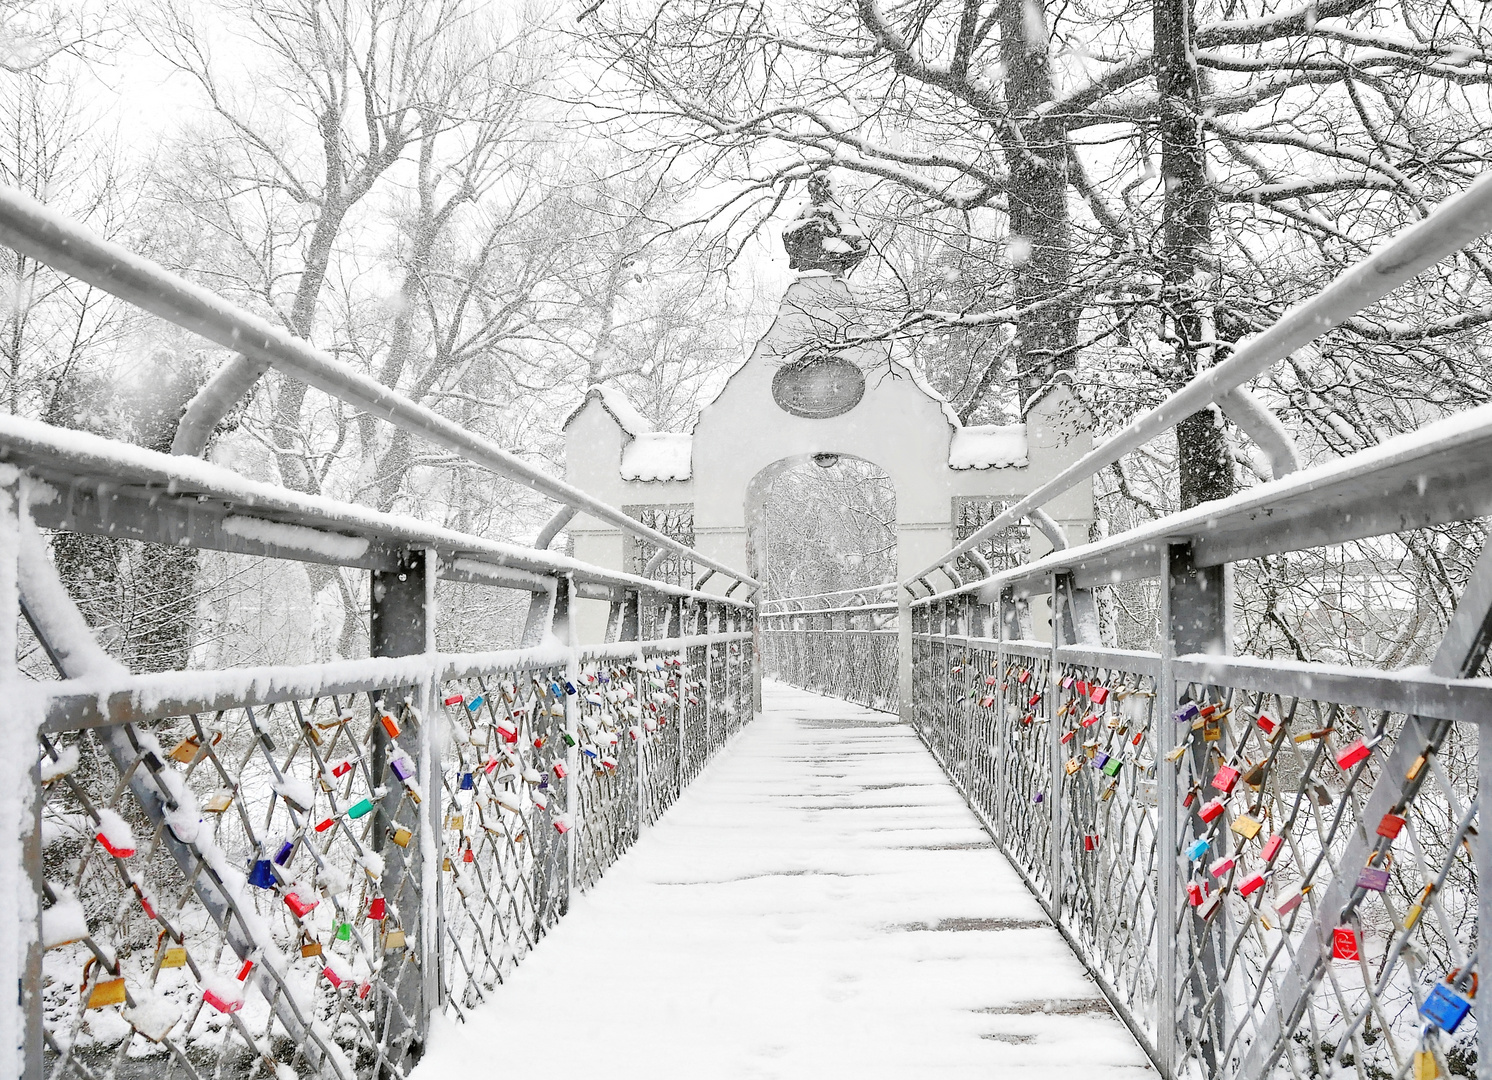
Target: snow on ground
{"type": "Point", "coordinates": [819, 904]}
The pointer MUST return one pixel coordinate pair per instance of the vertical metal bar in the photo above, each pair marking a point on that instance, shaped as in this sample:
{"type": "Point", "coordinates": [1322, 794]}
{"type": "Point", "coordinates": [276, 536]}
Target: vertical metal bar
{"type": "Point", "coordinates": [904, 705]}
{"type": "Point", "coordinates": [25, 759]}
{"type": "Point", "coordinates": [1483, 851]}
{"type": "Point", "coordinates": [1005, 613]}
{"type": "Point", "coordinates": [568, 632]}
{"type": "Point", "coordinates": [1167, 846]}
{"type": "Point", "coordinates": [401, 624]}
{"type": "Point", "coordinates": [1054, 751]}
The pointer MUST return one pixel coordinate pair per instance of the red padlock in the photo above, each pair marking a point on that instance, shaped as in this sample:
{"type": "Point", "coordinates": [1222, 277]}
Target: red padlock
{"type": "Point", "coordinates": [299, 906]}
{"type": "Point", "coordinates": [1344, 944]}
{"type": "Point", "coordinates": [1352, 753]}
{"type": "Point", "coordinates": [1226, 777]}
{"type": "Point", "coordinates": [1272, 847]}
{"type": "Point", "coordinates": [1099, 695]}
{"type": "Point", "coordinates": [1213, 810]}
{"type": "Point", "coordinates": [377, 909]}
{"type": "Point", "coordinates": [1251, 884]}
{"type": "Point", "coordinates": [1390, 826]}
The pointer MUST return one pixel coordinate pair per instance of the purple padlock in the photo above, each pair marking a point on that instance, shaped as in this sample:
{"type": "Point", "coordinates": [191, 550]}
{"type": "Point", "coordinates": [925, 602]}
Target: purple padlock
{"type": "Point", "coordinates": [403, 767]}
{"type": "Point", "coordinates": [1038, 797]}
{"type": "Point", "coordinates": [1187, 713]}
{"type": "Point", "coordinates": [1373, 877]}
{"type": "Point", "coordinates": [1100, 759]}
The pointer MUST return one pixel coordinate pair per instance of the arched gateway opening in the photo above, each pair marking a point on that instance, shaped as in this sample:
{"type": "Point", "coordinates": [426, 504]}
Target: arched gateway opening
{"type": "Point", "coordinates": [820, 409]}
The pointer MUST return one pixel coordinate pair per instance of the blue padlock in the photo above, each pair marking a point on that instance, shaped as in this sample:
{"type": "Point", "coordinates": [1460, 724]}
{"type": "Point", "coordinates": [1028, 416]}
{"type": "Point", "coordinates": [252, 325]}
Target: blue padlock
{"type": "Point", "coordinates": [474, 704]}
{"type": "Point", "coordinates": [283, 855]}
{"type": "Point", "coordinates": [466, 781]}
{"type": "Point", "coordinates": [1445, 1008]}
{"type": "Point", "coordinates": [263, 875]}
{"type": "Point", "coordinates": [1197, 849]}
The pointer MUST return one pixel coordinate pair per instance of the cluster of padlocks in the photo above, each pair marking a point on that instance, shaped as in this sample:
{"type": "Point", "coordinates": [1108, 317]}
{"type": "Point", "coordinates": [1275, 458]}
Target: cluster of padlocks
{"type": "Point", "coordinates": [1269, 791]}
{"type": "Point", "coordinates": [267, 865]}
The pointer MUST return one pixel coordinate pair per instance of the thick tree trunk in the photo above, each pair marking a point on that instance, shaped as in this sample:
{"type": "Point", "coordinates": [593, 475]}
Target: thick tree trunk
{"type": "Point", "coordinates": [1204, 462]}
{"type": "Point", "coordinates": [1036, 160]}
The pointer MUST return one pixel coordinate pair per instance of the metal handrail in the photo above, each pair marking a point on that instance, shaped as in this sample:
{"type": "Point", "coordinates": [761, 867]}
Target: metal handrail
{"type": "Point", "coordinates": [31, 228]}
{"type": "Point", "coordinates": [1456, 223]}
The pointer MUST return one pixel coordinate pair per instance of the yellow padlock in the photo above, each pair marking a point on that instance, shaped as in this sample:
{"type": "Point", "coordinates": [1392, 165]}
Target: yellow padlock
{"type": "Point", "coordinates": [1425, 1066]}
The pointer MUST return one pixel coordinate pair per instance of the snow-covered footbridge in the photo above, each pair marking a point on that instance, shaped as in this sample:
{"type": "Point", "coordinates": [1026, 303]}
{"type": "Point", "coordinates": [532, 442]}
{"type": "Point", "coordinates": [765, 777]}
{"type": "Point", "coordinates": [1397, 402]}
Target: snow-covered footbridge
{"type": "Point", "coordinates": [1024, 849]}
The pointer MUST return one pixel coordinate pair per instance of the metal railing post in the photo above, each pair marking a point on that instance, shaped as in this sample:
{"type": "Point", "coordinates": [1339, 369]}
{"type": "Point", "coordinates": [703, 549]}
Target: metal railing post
{"type": "Point", "coordinates": [401, 623]}
{"type": "Point", "coordinates": [1055, 797]}
{"type": "Point", "coordinates": [904, 703]}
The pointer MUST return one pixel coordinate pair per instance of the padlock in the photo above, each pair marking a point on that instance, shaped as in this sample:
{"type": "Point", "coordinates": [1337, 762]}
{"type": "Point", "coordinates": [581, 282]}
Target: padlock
{"type": "Point", "coordinates": [309, 949]}
{"type": "Point", "coordinates": [1038, 797]}
{"type": "Point", "coordinates": [390, 725]}
{"type": "Point", "coordinates": [1175, 755]}
{"type": "Point", "coordinates": [467, 855]}
{"type": "Point", "coordinates": [560, 772]}
{"type": "Point", "coordinates": [1195, 894]}
{"type": "Point", "coordinates": [223, 1002]}
{"type": "Point", "coordinates": [1225, 779]}
{"type": "Point", "coordinates": [1186, 713]}
{"type": "Point", "coordinates": [1072, 766]}
{"type": "Point", "coordinates": [1098, 695]}
{"type": "Point", "coordinates": [467, 782]}
{"type": "Point", "coordinates": [1251, 884]}
{"type": "Point", "coordinates": [1090, 842]}
{"type": "Point", "coordinates": [245, 969]}
{"type": "Point", "coordinates": [1425, 1066]}
{"type": "Point", "coordinates": [332, 977]}
{"type": "Point", "coordinates": [1197, 849]}
{"type": "Point", "coordinates": [342, 768]}
{"type": "Point", "coordinates": [1352, 753]}
{"type": "Point", "coordinates": [1344, 944]}
{"type": "Point", "coordinates": [1266, 725]}
{"type": "Point", "coordinates": [454, 699]}
{"type": "Point", "coordinates": [122, 850]}
{"type": "Point", "coordinates": [1390, 826]}
{"type": "Point", "coordinates": [325, 824]}
{"type": "Point", "coordinates": [1272, 848]}
{"type": "Point", "coordinates": [262, 876]}
{"type": "Point", "coordinates": [282, 857]}
{"type": "Point", "coordinates": [1100, 759]}
{"type": "Point", "coordinates": [377, 909]}
{"type": "Point", "coordinates": [1210, 905]}
{"type": "Point", "coordinates": [1213, 810]}
{"type": "Point", "coordinates": [1067, 738]}
{"type": "Point", "coordinates": [402, 767]}
{"type": "Point", "coordinates": [1112, 766]}
{"type": "Point", "coordinates": [358, 809]}
{"type": "Point", "coordinates": [1245, 826]}
{"type": "Point", "coordinates": [1212, 731]}
{"type": "Point", "coordinates": [344, 931]}
{"type": "Point", "coordinates": [1445, 1008]}
{"type": "Point", "coordinates": [1414, 769]}
{"type": "Point", "coordinates": [1374, 878]}
{"type": "Point", "coordinates": [541, 800]}
{"type": "Point", "coordinates": [301, 907]}
{"type": "Point", "coordinates": [401, 836]}
{"type": "Point", "coordinates": [174, 957]}
{"type": "Point", "coordinates": [562, 824]}
{"type": "Point", "coordinates": [394, 940]}
{"type": "Point", "coordinates": [1221, 866]}
{"type": "Point", "coordinates": [1289, 901]}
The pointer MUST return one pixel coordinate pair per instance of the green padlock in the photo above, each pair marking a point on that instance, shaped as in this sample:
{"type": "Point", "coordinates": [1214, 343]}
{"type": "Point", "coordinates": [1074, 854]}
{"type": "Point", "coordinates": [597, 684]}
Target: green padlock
{"type": "Point", "coordinates": [1112, 767]}
{"type": "Point", "coordinates": [344, 931]}
{"type": "Point", "coordinates": [359, 809]}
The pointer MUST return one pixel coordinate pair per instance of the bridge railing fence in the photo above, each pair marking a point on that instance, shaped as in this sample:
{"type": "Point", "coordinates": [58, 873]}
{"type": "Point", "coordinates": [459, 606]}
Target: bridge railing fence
{"type": "Point", "coordinates": [1271, 867]}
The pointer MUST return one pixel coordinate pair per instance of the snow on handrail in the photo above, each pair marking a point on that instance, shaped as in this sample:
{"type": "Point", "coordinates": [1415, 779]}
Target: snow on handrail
{"type": "Point", "coordinates": [31, 228]}
{"type": "Point", "coordinates": [1456, 223]}
{"type": "Point", "coordinates": [314, 525]}
{"type": "Point", "coordinates": [1420, 478]}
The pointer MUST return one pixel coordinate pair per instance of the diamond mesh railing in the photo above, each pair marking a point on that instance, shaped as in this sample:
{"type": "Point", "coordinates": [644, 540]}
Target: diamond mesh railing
{"type": "Point", "coordinates": [287, 871]}
{"type": "Point", "coordinates": [848, 651]}
{"type": "Point", "coordinates": [251, 888]}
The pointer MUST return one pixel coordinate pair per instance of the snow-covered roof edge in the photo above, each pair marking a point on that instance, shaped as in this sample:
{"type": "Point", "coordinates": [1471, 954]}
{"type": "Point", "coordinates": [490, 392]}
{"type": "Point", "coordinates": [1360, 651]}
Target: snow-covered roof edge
{"type": "Point", "coordinates": [658, 455]}
{"type": "Point", "coordinates": [614, 401]}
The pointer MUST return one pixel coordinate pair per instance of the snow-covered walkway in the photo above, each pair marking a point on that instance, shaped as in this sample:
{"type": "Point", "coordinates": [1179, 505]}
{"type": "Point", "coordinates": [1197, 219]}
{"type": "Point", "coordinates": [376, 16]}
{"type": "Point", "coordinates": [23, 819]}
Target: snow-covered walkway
{"type": "Point", "coordinates": [819, 904]}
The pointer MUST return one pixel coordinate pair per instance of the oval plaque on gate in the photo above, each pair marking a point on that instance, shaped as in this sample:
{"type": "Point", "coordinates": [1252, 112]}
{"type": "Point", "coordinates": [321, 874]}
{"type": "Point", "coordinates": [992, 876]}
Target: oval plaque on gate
{"type": "Point", "coordinates": [818, 387]}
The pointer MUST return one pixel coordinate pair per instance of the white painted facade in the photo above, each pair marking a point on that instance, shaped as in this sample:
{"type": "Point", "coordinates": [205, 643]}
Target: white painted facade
{"type": "Point", "coordinates": [744, 439]}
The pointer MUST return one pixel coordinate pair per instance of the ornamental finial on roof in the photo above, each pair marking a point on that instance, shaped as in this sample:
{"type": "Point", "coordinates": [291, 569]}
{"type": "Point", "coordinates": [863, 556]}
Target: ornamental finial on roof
{"type": "Point", "coordinates": [822, 236]}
